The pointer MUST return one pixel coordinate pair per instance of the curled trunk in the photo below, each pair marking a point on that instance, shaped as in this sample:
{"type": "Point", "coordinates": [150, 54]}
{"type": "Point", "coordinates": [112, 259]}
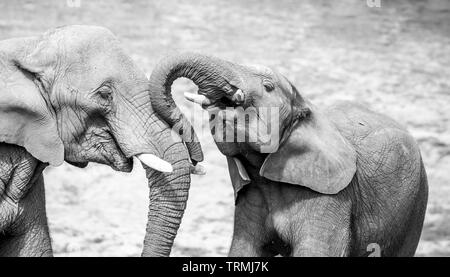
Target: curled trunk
{"type": "Point", "coordinates": [168, 192]}
{"type": "Point", "coordinates": [213, 77]}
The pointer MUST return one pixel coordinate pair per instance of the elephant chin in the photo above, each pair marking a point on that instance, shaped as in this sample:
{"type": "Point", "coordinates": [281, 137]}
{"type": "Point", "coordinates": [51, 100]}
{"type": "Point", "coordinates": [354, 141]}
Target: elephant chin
{"type": "Point", "coordinates": [79, 165]}
{"type": "Point", "coordinates": [113, 158]}
{"type": "Point", "coordinates": [123, 165]}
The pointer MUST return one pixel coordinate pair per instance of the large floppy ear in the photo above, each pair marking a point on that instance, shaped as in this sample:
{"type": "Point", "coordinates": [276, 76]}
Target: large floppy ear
{"type": "Point", "coordinates": [26, 117]}
{"type": "Point", "coordinates": [314, 155]}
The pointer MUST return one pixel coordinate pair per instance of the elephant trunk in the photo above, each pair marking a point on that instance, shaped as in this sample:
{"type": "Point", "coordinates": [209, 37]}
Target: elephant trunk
{"type": "Point", "coordinates": [168, 196]}
{"type": "Point", "coordinates": [214, 77]}
{"type": "Point", "coordinates": [141, 131]}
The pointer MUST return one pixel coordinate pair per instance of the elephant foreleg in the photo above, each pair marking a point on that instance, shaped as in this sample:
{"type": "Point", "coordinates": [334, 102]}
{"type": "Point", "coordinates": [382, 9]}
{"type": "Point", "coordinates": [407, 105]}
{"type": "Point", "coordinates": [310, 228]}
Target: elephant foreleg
{"type": "Point", "coordinates": [250, 236]}
{"type": "Point", "coordinates": [321, 225]}
{"type": "Point", "coordinates": [29, 235]}
{"type": "Point", "coordinates": [244, 246]}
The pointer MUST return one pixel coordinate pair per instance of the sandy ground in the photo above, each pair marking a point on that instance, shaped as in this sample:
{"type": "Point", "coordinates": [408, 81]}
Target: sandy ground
{"type": "Point", "coordinates": [395, 58]}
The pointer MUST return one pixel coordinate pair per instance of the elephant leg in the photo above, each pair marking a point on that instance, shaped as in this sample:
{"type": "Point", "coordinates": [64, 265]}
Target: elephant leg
{"type": "Point", "coordinates": [247, 242]}
{"type": "Point", "coordinates": [250, 236]}
{"type": "Point", "coordinates": [320, 225]}
{"type": "Point", "coordinates": [29, 235]}
{"type": "Point", "coordinates": [317, 243]}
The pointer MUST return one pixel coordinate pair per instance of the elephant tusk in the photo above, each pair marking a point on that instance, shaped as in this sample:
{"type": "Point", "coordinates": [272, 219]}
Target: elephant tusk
{"type": "Point", "coordinates": [197, 98]}
{"type": "Point", "coordinates": [238, 97]}
{"type": "Point", "coordinates": [154, 162]}
{"type": "Point", "coordinates": [197, 170]}
{"type": "Point", "coordinates": [241, 169]}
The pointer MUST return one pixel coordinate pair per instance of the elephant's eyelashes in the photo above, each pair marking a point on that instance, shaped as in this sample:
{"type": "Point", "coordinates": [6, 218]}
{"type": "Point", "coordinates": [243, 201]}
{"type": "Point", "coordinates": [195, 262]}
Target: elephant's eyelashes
{"type": "Point", "coordinates": [268, 85]}
{"type": "Point", "coordinates": [103, 97]}
{"type": "Point", "coordinates": [105, 93]}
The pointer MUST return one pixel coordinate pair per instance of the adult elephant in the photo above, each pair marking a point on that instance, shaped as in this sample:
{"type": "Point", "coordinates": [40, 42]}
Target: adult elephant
{"type": "Point", "coordinates": [73, 94]}
{"type": "Point", "coordinates": [328, 181]}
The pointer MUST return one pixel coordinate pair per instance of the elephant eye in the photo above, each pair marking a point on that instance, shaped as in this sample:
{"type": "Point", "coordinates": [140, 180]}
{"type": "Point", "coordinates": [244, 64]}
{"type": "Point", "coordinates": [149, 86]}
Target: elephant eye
{"type": "Point", "coordinates": [105, 93]}
{"type": "Point", "coordinates": [268, 85]}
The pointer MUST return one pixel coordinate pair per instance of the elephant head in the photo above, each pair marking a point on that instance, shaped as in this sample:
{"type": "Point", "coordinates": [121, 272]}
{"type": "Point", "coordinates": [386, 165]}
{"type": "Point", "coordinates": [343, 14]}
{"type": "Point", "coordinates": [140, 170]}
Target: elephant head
{"type": "Point", "coordinates": [73, 95]}
{"type": "Point", "coordinates": [277, 131]}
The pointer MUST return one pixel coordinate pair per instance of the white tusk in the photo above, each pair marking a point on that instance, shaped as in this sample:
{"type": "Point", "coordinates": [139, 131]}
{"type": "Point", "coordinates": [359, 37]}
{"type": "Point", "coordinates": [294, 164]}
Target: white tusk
{"type": "Point", "coordinates": [242, 172]}
{"type": "Point", "coordinates": [197, 98]}
{"type": "Point", "coordinates": [154, 162]}
{"type": "Point", "coordinates": [238, 96]}
{"type": "Point", "coordinates": [198, 170]}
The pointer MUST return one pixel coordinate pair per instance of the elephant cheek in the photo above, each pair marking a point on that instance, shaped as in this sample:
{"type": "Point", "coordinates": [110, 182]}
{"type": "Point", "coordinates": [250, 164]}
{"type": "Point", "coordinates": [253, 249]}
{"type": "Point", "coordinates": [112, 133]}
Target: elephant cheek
{"type": "Point", "coordinates": [228, 148]}
{"type": "Point", "coordinates": [266, 142]}
{"type": "Point", "coordinates": [232, 137]}
{"type": "Point", "coordinates": [260, 136]}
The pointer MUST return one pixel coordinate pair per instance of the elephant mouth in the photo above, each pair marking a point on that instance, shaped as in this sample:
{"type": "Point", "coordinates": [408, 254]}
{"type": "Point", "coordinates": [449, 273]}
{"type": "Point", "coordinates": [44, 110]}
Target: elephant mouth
{"type": "Point", "coordinates": [221, 100]}
{"type": "Point", "coordinates": [119, 161]}
{"type": "Point", "coordinates": [78, 164]}
{"type": "Point", "coordinates": [110, 153]}
{"type": "Point", "coordinates": [103, 148]}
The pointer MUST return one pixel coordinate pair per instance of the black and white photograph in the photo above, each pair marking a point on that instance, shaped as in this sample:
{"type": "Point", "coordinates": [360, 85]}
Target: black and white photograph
{"type": "Point", "coordinates": [224, 128]}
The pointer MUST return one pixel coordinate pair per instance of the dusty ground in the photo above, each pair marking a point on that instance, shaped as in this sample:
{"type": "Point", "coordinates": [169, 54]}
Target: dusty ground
{"type": "Point", "coordinates": [394, 58]}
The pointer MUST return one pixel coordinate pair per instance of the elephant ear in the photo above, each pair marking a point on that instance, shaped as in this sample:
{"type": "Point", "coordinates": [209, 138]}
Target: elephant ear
{"type": "Point", "coordinates": [25, 116]}
{"type": "Point", "coordinates": [315, 155]}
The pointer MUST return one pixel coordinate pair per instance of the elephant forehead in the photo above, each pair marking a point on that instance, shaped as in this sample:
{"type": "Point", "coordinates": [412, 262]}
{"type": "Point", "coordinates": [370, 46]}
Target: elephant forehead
{"type": "Point", "coordinates": [261, 69]}
{"type": "Point", "coordinates": [80, 35]}
{"type": "Point", "coordinates": [85, 44]}
{"type": "Point", "coordinates": [95, 68]}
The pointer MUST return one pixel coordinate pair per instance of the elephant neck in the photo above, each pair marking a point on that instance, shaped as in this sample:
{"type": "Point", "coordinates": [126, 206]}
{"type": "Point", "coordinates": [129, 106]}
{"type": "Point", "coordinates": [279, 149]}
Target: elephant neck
{"type": "Point", "coordinates": [252, 158]}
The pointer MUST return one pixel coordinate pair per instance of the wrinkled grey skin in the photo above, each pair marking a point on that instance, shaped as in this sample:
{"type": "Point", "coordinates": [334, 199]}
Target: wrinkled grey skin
{"type": "Point", "coordinates": [73, 94]}
{"type": "Point", "coordinates": [383, 202]}
{"type": "Point", "coordinates": [24, 226]}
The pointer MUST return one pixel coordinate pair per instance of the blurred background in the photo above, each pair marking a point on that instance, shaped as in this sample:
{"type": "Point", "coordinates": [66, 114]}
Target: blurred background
{"type": "Point", "coordinates": [394, 58]}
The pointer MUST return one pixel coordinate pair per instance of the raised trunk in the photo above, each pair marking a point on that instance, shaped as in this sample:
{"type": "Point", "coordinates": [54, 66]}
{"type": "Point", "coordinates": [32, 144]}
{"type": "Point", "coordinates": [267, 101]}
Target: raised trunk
{"type": "Point", "coordinates": [212, 76]}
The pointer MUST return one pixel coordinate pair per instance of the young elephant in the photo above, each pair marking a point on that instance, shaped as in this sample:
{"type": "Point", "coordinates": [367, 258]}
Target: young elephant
{"type": "Point", "coordinates": [73, 95]}
{"type": "Point", "coordinates": [339, 181]}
